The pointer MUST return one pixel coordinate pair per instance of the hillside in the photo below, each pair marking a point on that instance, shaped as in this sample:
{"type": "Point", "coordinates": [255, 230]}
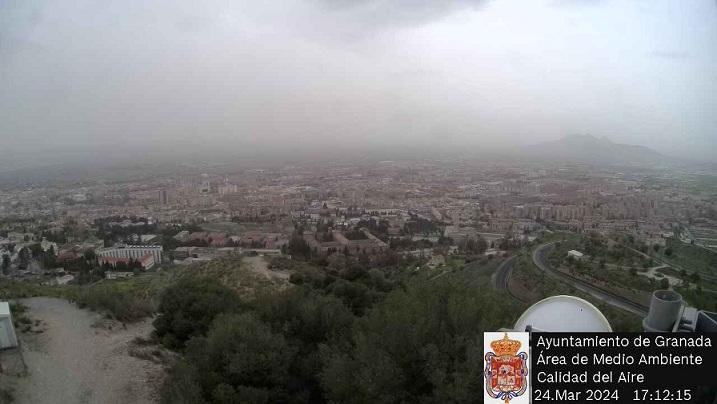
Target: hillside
{"type": "Point", "coordinates": [590, 149]}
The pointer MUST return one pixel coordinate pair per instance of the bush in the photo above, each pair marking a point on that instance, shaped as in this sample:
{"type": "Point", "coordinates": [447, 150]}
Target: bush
{"type": "Point", "coordinates": [240, 360]}
{"type": "Point", "coordinates": [417, 343]}
{"type": "Point", "coordinates": [181, 386]}
{"type": "Point", "coordinates": [422, 344]}
{"type": "Point", "coordinates": [283, 264]}
{"type": "Point", "coordinates": [188, 307]}
{"type": "Point", "coordinates": [7, 395]}
{"type": "Point", "coordinates": [18, 311]}
{"type": "Point", "coordinates": [267, 354]}
{"type": "Point", "coordinates": [122, 304]}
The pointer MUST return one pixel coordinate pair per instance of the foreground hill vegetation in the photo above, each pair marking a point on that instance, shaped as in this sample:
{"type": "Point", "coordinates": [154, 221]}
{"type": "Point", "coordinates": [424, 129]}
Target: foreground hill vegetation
{"type": "Point", "coordinates": [356, 335]}
{"type": "Point", "coordinates": [344, 332]}
{"type": "Point", "coordinates": [348, 331]}
{"type": "Point", "coordinates": [134, 298]}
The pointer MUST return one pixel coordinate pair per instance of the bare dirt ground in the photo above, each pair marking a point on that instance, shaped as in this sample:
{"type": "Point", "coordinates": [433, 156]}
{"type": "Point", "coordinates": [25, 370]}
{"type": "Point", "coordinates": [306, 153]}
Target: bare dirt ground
{"type": "Point", "coordinates": [259, 265]}
{"type": "Point", "coordinates": [80, 357]}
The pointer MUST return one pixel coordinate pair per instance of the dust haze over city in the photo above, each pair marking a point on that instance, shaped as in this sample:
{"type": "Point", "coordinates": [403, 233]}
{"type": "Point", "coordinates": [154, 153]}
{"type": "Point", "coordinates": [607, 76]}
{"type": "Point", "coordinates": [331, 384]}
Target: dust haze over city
{"type": "Point", "coordinates": [318, 201]}
{"type": "Point", "coordinates": [173, 79]}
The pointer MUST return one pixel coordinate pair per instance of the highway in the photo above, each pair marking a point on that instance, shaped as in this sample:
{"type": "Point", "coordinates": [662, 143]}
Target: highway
{"type": "Point", "coordinates": [501, 275]}
{"type": "Point", "coordinates": [606, 296]}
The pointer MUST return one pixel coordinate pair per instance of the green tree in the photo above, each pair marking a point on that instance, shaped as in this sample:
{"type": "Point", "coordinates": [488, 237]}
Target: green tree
{"type": "Point", "coordinates": [355, 295]}
{"type": "Point", "coordinates": [187, 308]}
{"type": "Point", "coordinates": [298, 246]}
{"type": "Point", "coordinates": [422, 344]}
{"type": "Point", "coordinates": [241, 360]}
{"type": "Point", "coordinates": [90, 255]}
{"type": "Point", "coordinates": [267, 354]}
{"type": "Point", "coordinates": [470, 245]}
{"type": "Point", "coordinates": [24, 257]}
{"type": "Point", "coordinates": [481, 245]}
{"type": "Point", "coordinates": [307, 319]}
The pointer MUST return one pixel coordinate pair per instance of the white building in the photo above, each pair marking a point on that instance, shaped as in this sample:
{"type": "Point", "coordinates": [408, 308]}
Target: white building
{"type": "Point", "coordinates": [132, 251]}
{"type": "Point", "coordinates": [118, 275]}
{"type": "Point", "coordinates": [147, 238]}
{"type": "Point", "coordinates": [79, 197]}
{"type": "Point", "coordinates": [46, 245]}
{"type": "Point", "coordinates": [182, 236]}
{"type": "Point", "coordinates": [8, 339]}
{"type": "Point", "coordinates": [576, 254]}
{"type": "Point", "coordinates": [227, 189]}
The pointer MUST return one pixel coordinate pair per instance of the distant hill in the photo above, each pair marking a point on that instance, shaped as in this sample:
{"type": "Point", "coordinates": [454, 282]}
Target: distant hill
{"type": "Point", "coordinates": [590, 149]}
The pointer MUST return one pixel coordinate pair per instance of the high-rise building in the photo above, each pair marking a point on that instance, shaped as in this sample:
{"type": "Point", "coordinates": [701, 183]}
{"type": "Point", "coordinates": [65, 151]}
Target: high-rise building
{"type": "Point", "coordinates": [163, 197]}
{"type": "Point", "coordinates": [227, 189]}
{"type": "Point", "coordinates": [205, 187]}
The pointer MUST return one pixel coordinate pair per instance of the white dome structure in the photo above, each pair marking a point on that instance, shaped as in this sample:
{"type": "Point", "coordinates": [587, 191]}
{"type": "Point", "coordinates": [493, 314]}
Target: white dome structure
{"type": "Point", "coordinates": [563, 314]}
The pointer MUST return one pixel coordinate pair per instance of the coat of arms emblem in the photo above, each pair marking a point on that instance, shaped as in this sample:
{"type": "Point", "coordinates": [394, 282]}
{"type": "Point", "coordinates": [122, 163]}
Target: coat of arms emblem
{"type": "Point", "coordinates": [506, 370]}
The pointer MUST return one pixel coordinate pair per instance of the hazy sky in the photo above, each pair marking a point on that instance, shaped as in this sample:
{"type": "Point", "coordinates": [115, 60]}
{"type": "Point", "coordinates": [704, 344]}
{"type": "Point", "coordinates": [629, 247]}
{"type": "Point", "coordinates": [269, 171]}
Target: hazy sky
{"type": "Point", "coordinates": [78, 77]}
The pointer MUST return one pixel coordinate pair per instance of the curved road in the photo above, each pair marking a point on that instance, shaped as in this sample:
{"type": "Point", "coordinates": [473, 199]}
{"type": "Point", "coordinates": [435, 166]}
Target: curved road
{"type": "Point", "coordinates": [599, 293]}
{"type": "Point", "coordinates": [501, 275]}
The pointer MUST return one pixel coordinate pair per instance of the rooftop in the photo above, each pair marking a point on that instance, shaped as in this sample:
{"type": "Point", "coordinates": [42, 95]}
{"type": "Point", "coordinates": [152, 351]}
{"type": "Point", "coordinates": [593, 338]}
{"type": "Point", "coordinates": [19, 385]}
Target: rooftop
{"type": "Point", "coordinates": [4, 309]}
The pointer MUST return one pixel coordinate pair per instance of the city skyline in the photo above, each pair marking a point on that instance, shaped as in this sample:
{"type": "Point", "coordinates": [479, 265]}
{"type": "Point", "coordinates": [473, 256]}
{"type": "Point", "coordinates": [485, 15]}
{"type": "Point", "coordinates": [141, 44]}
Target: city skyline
{"type": "Point", "coordinates": [358, 201]}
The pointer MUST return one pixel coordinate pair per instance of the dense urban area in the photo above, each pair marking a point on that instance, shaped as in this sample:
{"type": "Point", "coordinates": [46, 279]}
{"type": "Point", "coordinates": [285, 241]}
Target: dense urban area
{"type": "Point", "coordinates": [358, 201]}
{"type": "Point", "coordinates": [342, 281]}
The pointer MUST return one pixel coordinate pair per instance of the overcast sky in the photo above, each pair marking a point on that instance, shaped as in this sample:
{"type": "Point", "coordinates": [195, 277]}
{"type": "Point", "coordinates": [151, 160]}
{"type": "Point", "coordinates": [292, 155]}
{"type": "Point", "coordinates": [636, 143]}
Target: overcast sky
{"type": "Point", "coordinates": [82, 77]}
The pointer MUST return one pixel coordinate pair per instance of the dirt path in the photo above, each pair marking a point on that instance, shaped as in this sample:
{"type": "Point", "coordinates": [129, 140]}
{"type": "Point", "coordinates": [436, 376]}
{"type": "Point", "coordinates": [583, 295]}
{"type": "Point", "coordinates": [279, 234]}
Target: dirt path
{"type": "Point", "coordinates": [82, 358]}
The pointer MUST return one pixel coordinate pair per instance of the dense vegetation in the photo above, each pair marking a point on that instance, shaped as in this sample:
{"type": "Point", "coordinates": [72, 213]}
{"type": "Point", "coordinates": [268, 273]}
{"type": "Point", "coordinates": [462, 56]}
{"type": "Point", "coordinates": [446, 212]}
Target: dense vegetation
{"type": "Point", "coordinates": [345, 330]}
{"type": "Point", "coordinates": [353, 335]}
{"type": "Point", "coordinates": [689, 256]}
{"type": "Point", "coordinates": [423, 344]}
{"type": "Point", "coordinates": [122, 304]}
{"type": "Point", "coordinates": [189, 307]}
{"type": "Point", "coordinates": [126, 300]}
{"type": "Point", "coordinates": [110, 230]}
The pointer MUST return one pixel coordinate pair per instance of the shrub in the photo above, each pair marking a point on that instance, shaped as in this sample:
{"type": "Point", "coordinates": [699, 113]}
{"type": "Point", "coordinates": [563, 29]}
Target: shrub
{"type": "Point", "coordinates": [240, 360]}
{"type": "Point", "coordinates": [122, 304]}
{"type": "Point", "coordinates": [188, 308]}
{"type": "Point", "coordinates": [421, 344]}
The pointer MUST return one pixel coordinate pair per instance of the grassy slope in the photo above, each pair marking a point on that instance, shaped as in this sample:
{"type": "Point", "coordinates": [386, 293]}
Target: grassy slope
{"type": "Point", "coordinates": [133, 298]}
{"type": "Point", "coordinates": [689, 257]}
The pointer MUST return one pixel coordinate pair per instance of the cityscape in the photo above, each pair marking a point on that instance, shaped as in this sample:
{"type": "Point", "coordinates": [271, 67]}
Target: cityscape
{"type": "Point", "coordinates": [610, 233]}
{"type": "Point", "coordinates": [307, 202]}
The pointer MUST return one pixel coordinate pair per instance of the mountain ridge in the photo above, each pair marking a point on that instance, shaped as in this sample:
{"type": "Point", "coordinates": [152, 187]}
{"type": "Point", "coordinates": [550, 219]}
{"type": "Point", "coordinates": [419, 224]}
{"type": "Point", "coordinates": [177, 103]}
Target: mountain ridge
{"type": "Point", "coordinates": [591, 149]}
